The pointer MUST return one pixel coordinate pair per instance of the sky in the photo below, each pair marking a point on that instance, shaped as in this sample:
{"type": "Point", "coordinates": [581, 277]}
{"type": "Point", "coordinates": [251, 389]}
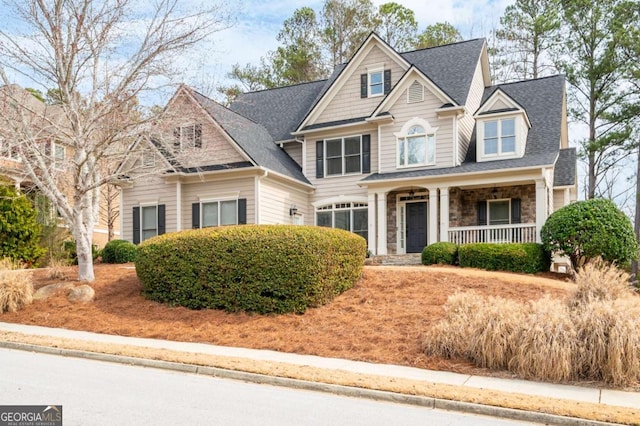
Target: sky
{"type": "Point", "coordinates": [259, 21]}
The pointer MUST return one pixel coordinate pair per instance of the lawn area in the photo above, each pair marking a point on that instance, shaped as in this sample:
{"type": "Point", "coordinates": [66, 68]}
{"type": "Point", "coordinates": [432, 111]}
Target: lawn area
{"type": "Point", "coordinates": [381, 319]}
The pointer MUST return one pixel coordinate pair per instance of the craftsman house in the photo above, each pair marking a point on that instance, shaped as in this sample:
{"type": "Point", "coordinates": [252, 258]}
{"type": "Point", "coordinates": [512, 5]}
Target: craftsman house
{"type": "Point", "coordinates": [405, 149]}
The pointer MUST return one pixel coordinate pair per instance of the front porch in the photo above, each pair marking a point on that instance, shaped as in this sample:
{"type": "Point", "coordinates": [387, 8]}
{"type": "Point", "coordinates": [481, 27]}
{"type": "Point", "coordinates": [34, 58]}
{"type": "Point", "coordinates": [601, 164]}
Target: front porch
{"type": "Point", "coordinates": [406, 219]}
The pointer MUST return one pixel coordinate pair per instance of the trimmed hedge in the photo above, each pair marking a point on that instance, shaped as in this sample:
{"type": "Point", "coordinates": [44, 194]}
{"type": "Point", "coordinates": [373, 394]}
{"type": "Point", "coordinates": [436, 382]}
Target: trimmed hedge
{"type": "Point", "coordinates": [440, 253]}
{"type": "Point", "coordinates": [119, 251]}
{"type": "Point", "coordinates": [528, 257]}
{"type": "Point", "coordinates": [253, 268]}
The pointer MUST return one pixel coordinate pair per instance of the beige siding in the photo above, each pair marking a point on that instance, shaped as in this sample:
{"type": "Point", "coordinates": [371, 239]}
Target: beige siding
{"type": "Point", "coordinates": [335, 186]}
{"type": "Point", "coordinates": [148, 190]}
{"type": "Point", "coordinates": [216, 148]}
{"type": "Point", "coordinates": [403, 112]}
{"type": "Point", "coordinates": [277, 198]}
{"type": "Point", "coordinates": [194, 192]}
{"type": "Point", "coordinates": [347, 103]}
{"type": "Point", "coordinates": [294, 149]}
{"type": "Point", "coordinates": [467, 122]}
{"type": "Point", "coordinates": [558, 199]}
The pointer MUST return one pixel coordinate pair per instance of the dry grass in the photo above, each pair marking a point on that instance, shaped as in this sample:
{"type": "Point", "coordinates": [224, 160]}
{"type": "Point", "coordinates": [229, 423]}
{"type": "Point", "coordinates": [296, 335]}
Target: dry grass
{"type": "Point", "coordinates": [7, 264]}
{"type": "Point", "coordinates": [593, 335]}
{"type": "Point", "coordinates": [58, 269]}
{"type": "Point", "coordinates": [600, 281]}
{"type": "Point", "coordinates": [546, 343]}
{"type": "Point", "coordinates": [16, 287]}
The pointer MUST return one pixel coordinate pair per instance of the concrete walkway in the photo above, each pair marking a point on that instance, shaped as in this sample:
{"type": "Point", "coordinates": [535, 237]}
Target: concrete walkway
{"type": "Point", "coordinates": [568, 392]}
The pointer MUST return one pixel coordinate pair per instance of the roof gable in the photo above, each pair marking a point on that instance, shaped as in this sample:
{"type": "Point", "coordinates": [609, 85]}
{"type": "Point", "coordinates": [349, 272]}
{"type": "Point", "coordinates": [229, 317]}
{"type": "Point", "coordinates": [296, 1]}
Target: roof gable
{"type": "Point", "coordinates": [501, 103]}
{"type": "Point", "coordinates": [252, 138]}
{"type": "Point", "coordinates": [407, 79]}
{"type": "Point", "coordinates": [347, 72]}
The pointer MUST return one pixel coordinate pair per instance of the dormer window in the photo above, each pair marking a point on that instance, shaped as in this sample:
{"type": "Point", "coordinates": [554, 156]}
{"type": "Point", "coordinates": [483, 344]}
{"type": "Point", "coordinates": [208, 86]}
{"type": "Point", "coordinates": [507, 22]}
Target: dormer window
{"type": "Point", "coordinates": [500, 137]}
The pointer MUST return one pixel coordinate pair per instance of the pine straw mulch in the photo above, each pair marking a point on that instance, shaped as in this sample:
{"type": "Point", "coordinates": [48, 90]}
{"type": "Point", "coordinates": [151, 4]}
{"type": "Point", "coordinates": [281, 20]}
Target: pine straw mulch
{"type": "Point", "coordinates": [381, 319]}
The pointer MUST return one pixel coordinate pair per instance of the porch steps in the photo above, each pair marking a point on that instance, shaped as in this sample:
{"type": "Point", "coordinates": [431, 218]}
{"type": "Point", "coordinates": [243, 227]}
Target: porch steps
{"type": "Point", "coordinates": [396, 259]}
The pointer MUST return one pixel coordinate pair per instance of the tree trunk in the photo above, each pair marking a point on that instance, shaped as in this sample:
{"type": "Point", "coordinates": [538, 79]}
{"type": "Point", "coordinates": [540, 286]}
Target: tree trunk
{"type": "Point", "coordinates": [83, 234]}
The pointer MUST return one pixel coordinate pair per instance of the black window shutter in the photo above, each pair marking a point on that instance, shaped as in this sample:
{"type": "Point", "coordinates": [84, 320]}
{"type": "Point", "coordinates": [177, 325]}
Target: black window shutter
{"type": "Point", "coordinates": [242, 211]}
{"type": "Point", "coordinates": [176, 138]}
{"type": "Point", "coordinates": [195, 215]}
{"type": "Point", "coordinates": [161, 219]}
{"type": "Point", "coordinates": [482, 213]}
{"type": "Point", "coordinates": [366, 153]}
{"type": "Point", "coordinates": [516, 215]}
{"type": "Point", "coordinates": [136, 225]}
{"type": "Point", "coordinates": [319, 159]}
{"type": "Point", "coordinates": [364, 80]}
{"type": "Point", "coordinates": [198, 136]}
{"type": "Point", "coordinates": [387, 81]}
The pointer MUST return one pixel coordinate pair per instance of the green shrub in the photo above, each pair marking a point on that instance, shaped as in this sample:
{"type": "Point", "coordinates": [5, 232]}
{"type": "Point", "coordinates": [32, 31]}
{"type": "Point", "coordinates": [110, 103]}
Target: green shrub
{"type": "Point", "coordinates": [442, 252]}
{"type": "Point", "coordinates": [119, 251]}
{"type": "Point", "coordinates": [528, 257]}
{"type": "Point", "coordinates": [253, 268]}
{"type": "Point", "coordinates": [589, 229]}
{"type": "Point", "coordinates": [19, 229]}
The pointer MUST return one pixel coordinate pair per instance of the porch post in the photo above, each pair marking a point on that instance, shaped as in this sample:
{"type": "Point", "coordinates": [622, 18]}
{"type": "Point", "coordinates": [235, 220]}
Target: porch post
{"type": "Point", "coordinates": [541, 206]}
{"type": "Point", "coordinates": [444, 214]}
{"type": "Point", "coordinates": [382, 223]}
{"type": "Point", "coordinates": [433, 216]}
{"type": "Point", "coordinates": [372, 226]}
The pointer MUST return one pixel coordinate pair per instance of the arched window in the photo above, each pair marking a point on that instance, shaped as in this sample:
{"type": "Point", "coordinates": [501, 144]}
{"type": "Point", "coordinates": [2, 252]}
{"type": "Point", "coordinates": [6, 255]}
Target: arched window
{"type": "Point", "coordinates": [416, 144]}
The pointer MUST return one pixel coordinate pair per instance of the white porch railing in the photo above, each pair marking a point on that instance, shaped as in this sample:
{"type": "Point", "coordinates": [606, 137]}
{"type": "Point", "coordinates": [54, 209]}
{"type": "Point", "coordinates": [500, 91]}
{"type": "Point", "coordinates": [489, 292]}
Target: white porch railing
{"type": "Point", "coordinates": [514, 233]}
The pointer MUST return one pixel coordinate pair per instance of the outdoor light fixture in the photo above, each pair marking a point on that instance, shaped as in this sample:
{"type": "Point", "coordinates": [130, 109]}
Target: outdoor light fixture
{"type": "Point", "coordinates": [411, 193]}
{"type": "Point", "coordinates": [293, 210]}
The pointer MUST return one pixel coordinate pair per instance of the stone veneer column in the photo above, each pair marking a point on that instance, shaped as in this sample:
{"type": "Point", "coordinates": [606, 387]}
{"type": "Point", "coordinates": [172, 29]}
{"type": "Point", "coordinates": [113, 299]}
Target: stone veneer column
{"type": "Point", "coordinates": [372, 226]}
{"type": "Point", "coordinates": [444, 214]}
{"type": "Point", "coordinates": [382, 223]}
{"type": "Point", "coordinates": [541, 206]}
{"type": "Point", "coordinates": [433, 216]}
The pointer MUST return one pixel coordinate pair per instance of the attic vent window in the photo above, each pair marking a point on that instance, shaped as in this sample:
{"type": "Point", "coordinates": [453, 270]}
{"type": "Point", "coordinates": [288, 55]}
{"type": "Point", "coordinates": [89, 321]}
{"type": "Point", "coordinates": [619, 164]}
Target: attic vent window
{"type": "Point", "coordinates": [186, 137]}
{"type": "Point", "coordinates": [415, 93]}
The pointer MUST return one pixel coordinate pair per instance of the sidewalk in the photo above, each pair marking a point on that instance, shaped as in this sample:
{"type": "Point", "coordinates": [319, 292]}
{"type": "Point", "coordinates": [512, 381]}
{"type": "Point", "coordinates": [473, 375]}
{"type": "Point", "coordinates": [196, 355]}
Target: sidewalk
{"type": "Point", "coordinates": [567, 392]}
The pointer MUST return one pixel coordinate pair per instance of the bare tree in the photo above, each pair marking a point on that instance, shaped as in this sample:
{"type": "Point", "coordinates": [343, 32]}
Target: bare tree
{"type": "Point", "coordinates": [100, 56]}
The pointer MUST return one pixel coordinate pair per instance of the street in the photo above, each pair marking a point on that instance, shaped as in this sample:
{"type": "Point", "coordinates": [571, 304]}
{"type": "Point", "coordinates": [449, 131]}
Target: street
{"type": "Point", "coordinates": [101, 393]}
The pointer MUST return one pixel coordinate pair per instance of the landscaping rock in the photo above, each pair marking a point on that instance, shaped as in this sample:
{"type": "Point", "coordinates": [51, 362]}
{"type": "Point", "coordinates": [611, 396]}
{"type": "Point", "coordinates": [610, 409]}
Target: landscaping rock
{"type": "Point", "coordinates": [47, 291]}
{"type": "Point", "coordinates": [81, 294]}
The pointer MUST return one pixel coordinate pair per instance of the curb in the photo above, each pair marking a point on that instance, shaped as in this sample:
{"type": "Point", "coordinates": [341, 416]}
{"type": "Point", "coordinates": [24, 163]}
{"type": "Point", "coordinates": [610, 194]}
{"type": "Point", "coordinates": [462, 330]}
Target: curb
{"type": "Point", "coordinates": [422, 401]}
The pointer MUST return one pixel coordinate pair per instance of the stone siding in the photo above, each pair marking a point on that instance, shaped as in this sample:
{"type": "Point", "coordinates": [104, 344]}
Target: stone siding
{"type": "Point", "coordinates": [463, 204]}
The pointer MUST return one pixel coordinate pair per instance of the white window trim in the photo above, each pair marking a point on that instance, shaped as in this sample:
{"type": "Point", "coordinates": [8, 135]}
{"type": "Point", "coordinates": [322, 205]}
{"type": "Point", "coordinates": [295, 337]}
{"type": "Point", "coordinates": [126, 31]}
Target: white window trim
{"type": "Point", "coordinates": [402, 135]}
{"type": "Point", "coordinates": [217, 200]}
{"type": "Point", "coordinates": [375, 69]}
{"type": "Point", "coordinates": [508, 200]}
{"type": "Point", "coordinates": [343, 173]}
{"type": "Point", "coordinates": [183, 135]}
{"type": "Point", "coordinates": [331, 207]}
{"type": "Point", "coordinates": [499, 155]}
{"type": "Point", "coordinates": [5, 146]}
{"type": "Point", "coordinates": [142, 205]}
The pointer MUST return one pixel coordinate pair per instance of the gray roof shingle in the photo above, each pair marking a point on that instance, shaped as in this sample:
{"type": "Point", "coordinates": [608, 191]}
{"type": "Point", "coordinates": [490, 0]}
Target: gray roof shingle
{"type": "Point", "coordinates": [542, 100]}
{"type": "Point", "coordinates": [450, 67]}
{"type": "Point", "coordinates": [564, 173]}
{"type": "Point", "coordinates": [279, 110]}
{"type": "Point", "coordinates": [253, 138]}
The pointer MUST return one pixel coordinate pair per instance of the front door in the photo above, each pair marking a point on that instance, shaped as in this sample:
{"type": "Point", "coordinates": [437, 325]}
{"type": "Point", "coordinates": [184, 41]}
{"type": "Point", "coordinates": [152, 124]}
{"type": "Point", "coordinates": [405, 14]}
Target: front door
{"type": "Point", "coordinates": [416, 231]}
